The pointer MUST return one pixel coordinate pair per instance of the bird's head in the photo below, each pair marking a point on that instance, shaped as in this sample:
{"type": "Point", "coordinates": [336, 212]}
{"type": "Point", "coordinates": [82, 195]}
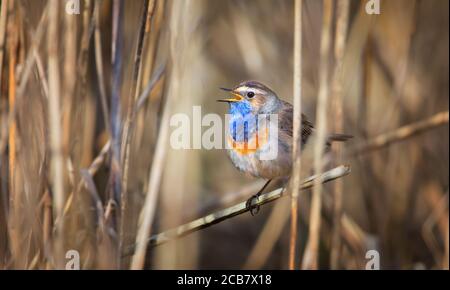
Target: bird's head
{"type": "Point", "coordinates": [251, 97]}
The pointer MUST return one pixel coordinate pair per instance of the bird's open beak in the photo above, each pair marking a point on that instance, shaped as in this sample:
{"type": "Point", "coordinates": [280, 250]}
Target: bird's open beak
{"type": "Point", "coordinates": [237, 97]}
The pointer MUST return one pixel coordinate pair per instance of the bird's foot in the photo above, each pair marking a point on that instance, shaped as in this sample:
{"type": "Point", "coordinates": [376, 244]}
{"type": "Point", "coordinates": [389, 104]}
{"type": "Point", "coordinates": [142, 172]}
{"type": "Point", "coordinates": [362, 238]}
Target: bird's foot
{"type": "Point", "coordinates": [250, 204]}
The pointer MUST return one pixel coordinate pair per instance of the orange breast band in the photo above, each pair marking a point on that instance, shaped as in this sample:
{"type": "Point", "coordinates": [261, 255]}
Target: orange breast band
{"type": "Point", "coordinates": [250, 146]}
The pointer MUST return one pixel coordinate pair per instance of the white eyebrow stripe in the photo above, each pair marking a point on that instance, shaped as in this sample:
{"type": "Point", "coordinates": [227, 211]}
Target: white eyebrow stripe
{"type": "Point", "coordinates": [246, 89]}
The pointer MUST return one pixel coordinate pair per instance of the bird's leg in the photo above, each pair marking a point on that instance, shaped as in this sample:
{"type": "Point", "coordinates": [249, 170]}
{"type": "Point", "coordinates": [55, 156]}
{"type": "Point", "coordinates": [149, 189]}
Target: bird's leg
{"type": "Point", "coordinates": [254, 209]}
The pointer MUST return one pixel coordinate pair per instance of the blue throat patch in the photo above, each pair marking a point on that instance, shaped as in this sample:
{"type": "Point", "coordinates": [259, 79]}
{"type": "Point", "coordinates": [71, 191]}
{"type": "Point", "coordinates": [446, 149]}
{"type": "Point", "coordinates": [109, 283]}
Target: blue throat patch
{"type": "Point", "coordinates": [242, 124]}
{"type": "Point", "coordinates": [243, 108]}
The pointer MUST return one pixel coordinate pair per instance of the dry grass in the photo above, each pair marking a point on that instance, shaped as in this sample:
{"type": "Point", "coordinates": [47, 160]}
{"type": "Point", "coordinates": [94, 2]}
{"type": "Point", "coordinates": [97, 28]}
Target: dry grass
{"type": "Point", "coordinates": [85, 103]}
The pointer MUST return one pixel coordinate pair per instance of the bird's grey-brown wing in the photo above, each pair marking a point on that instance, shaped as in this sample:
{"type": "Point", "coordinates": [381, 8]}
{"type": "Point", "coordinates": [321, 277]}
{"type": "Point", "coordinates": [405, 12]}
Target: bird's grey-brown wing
{"type": "Point", "coordinates": [286, 124]}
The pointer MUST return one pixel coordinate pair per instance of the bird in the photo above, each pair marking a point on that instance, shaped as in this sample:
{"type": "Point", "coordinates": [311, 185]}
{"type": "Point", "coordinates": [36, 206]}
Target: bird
{"type": "Point", "coordinates": [247, 142]}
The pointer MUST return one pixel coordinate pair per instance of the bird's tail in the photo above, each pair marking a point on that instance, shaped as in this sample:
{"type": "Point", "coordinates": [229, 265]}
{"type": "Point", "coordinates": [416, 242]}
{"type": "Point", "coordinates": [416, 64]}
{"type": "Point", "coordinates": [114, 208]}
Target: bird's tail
{"type": "Point", "coordinates": [337, 138]}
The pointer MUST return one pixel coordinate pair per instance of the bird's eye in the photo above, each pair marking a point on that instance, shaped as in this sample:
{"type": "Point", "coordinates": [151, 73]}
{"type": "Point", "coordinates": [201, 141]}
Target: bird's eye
{"type": "Point", "coordinates": [250, 94]}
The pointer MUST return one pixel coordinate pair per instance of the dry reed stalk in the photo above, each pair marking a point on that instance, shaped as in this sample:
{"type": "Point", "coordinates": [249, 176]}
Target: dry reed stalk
{"type": "Point", "coordinates": [343, 7]}
{"type": "Point", "coordinates": [69, 81]}
{"type": "Point", "coordinates": [87, 28]}
{"type": "Point", "coordinates": [134, 88]}
{"type": "Point", "coordinates": [310, 259]}
{"type": "Point", "coordinates": [14, 195]}
{"type": "Point", "coordinates": [268, 237]}
{"type": "Point", "coordinates": [13, 43]}
{"type": "Point", "coordinates": [3, 129]}
{"type": "Point", "coordinates": [153, 29]}
{"type": "Point", "coordinates": [297, 131]}
{"type": "Point", "coordinates": [84, 122]}
{"type": "Point", "coordinates": [54, 119]}
{"type": "Point", "coordinates": [3, 19]}
{"type": "Point", "coordinates": [143, 35]}
{"type": "Point", "coordinates": [85, 102]}
{"type": "Point", "coordinates": [116, 60]}
{"type": "Point", "coordinates": [99, 66]}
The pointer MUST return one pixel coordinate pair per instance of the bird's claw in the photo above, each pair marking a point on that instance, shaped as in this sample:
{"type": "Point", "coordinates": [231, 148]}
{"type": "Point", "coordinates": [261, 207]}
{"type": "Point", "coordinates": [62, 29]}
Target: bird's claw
{"type": "Point", "coordinates": [250, 204]}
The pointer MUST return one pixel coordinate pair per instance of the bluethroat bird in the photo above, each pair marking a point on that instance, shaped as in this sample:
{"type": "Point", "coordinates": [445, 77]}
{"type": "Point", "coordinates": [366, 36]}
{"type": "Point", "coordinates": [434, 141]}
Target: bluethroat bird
{"type": "Point", "coordinates": [247, 143]}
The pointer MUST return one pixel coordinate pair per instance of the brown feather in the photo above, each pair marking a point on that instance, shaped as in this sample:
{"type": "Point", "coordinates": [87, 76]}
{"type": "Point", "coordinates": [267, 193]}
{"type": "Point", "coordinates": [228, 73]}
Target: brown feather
{"type": "Point", "coordinates": [286, 116]}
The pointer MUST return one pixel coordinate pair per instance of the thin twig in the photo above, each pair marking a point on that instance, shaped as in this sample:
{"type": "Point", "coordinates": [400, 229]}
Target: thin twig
{"type": "Point", "coordinates": [41, 73]}
{"type": "Point", "coordinates": [35, 43]}
{"type": "Point", "coordinates": [297, 130]}
{"type": "Point", "coordinates": [148, 88]}
{"type": "Point", "coordinates": [400, 134]}
{"type": "Point", "coordinates": [310, 259]}
{"type": "Point", "coordinates": [237, 209]}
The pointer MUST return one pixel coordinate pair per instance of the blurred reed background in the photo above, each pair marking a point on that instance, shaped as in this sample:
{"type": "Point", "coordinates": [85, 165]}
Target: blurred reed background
{"type": "Point", "coordinates": [84, 150]}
